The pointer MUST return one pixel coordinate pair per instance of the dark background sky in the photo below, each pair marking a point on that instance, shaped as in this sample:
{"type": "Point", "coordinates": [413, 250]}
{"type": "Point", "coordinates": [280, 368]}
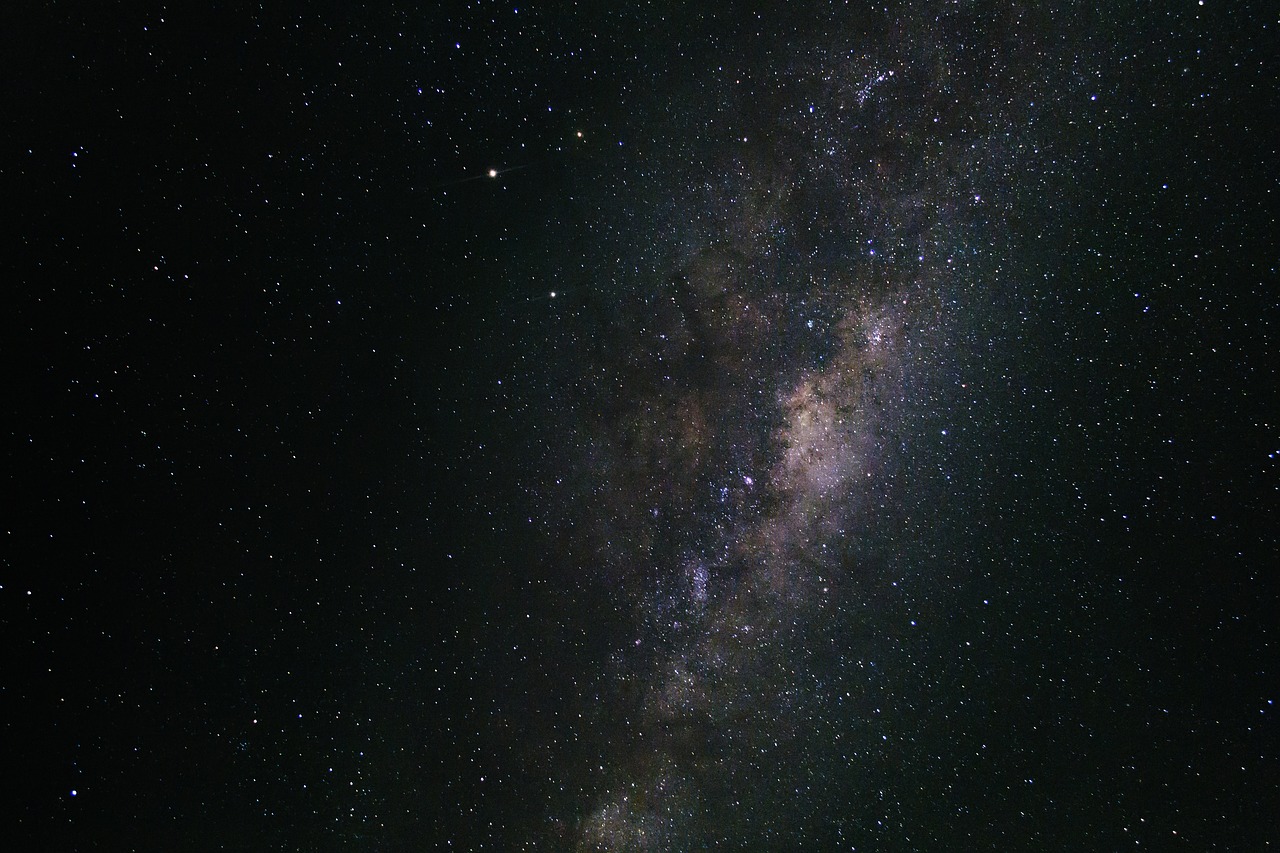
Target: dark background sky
{"type": "Point", "coordinates": [895, 467]}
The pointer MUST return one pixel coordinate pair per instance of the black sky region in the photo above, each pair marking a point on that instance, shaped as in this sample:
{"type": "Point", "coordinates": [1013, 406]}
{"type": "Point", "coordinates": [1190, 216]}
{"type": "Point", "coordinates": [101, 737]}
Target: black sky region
{"type": "Point", "coordinates": [641, 426]}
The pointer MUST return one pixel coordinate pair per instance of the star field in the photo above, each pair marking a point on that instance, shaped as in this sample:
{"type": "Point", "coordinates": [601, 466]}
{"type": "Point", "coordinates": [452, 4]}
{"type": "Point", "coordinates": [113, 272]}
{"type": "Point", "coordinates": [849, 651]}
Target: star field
{"type": "Point", "coordinates": [665, 427]}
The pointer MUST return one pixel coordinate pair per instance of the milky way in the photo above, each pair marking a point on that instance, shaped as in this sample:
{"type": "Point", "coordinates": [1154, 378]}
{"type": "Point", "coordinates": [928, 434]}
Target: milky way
{"type": "Point", "coordinates": [800, 289]}
{"type": "Point", "coordinates": [642, 426]}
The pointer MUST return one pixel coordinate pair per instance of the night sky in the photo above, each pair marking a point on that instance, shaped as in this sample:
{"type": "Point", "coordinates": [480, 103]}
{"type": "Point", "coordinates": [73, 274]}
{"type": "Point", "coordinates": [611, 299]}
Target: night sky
{"type": "Point", "coordinates": [642, 427]}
